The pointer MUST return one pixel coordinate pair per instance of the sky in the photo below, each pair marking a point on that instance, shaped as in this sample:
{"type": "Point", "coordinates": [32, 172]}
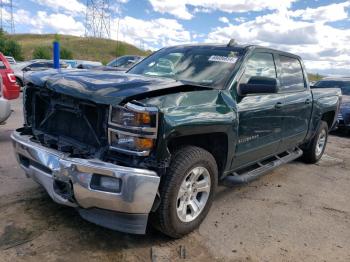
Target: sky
{"type": "Point", "coordinates": [317, 30]}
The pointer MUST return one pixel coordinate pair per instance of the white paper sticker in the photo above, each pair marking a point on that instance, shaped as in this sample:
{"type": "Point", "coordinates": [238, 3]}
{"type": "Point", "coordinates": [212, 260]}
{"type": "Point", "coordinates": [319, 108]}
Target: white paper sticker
{"type": "Point", "coordinates": [223, 59]}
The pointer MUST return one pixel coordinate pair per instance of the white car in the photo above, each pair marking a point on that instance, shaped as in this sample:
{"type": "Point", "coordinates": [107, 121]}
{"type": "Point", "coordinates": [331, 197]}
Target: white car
{"type": "Point", "coordinates": [5, 107]}
{"type": "Point", "coordinates": [23, 69]}
{"type": "Point", "coordinates": [11, 60]}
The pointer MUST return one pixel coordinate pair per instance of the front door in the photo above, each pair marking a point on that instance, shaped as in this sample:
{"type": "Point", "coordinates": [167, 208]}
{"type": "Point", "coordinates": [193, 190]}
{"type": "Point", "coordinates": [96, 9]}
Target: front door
{"type": "Point", "coordinates": [260, 115]}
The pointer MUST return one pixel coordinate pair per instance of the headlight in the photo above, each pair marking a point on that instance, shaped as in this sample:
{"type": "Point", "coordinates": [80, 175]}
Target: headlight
{"type": "Point", "coordinates": [134, 116]}
{"type": "Point", "coordinates": [133, 129]}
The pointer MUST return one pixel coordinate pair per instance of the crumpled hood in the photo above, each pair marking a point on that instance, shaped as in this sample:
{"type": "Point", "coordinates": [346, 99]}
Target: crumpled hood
{"type": "Point", "coordinates": [103, 87]}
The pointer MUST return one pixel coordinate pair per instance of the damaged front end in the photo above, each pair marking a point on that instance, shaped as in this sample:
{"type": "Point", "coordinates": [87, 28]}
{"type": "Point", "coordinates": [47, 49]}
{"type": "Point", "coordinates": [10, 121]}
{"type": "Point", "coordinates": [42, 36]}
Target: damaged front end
{"type": "Point", "coordinates": [66, 124]}
{"type": "Point", "coordinates": [77, 150]}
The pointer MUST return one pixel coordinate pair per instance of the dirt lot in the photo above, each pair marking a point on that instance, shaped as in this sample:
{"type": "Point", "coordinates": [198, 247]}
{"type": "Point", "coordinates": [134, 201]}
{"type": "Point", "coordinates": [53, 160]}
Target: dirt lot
{"type": "Point", "coordinates": [298, 212]}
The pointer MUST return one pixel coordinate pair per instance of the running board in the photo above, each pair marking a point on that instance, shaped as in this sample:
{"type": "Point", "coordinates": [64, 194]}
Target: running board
{"type": "Point", "coordinates": [251, 173]}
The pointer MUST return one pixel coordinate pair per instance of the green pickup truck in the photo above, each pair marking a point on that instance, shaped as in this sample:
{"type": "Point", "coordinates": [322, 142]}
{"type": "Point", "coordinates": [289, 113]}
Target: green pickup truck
{"type": "Point", "coordinates": [154, 143]}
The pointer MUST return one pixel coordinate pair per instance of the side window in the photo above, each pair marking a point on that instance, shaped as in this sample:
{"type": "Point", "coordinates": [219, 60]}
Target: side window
{"type": "Point", "coordinates": [292, 78]}
{"type": "Point", "coordinates": [37, 65]}
{"type": "Point", "coordinates": [259, 64]}
{"type": "Point", "coordinates": [122, 61]}
{"type": "Point", "coordinates": [2, 65]}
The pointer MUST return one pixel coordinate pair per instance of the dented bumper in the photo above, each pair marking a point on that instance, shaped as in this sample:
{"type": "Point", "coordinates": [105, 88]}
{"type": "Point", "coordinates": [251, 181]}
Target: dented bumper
{"type": "Point", "coordinates": [68, 182]}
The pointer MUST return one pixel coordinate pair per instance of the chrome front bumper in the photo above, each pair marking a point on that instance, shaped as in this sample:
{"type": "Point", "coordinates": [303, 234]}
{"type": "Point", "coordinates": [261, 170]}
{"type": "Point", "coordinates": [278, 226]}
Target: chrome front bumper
{"type": "Point", "coordinates": [48, 166]}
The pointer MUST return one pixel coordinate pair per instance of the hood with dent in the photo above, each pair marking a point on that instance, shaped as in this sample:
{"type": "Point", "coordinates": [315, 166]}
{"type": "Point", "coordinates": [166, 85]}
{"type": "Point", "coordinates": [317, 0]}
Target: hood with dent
{"type": "Point", "coordinates": [103, 87]}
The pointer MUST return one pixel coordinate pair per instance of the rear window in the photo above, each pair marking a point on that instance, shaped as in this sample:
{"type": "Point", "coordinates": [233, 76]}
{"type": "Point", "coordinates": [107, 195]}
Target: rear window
{"type": "Point", "coordinates": [292, 77]}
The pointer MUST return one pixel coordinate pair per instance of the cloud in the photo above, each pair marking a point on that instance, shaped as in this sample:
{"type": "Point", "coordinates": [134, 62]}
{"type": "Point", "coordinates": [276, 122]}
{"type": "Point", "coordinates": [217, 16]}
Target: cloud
{"type": "Point", "coordinates": [328, 13]}
{"type": "Point", "coordinates": [56, 22]}
{"type": "Point", "coordinates": [322, 46]}
{"type": "Point", "coordinates": [180, 8]}
{"type": "Point", "coordinates": [270, 29]}
{"type": "Point", "coordinates": [73, 7]}
{"type": "Point", "coordinates": [224, 20]}
{"type": "Point", "coordinates": [151, 34]}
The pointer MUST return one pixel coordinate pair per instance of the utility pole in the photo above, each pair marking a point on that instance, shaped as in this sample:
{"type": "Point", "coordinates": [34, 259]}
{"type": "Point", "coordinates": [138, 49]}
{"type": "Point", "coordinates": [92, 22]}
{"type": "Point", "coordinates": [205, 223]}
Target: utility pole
{"type": "Point", "coordinates": [98, 19]}
{"type": "Point", "coordinates": [7, 22]}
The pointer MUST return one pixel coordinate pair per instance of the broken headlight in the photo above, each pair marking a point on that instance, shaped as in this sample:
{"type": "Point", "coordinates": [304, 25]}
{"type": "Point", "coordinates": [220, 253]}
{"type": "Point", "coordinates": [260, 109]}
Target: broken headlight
{"type": "Point", "coordinates": [133, 129]}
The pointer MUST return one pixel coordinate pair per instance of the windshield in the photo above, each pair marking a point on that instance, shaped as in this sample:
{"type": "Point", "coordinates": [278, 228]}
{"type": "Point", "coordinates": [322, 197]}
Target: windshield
{"type": "Point", "coordinates": [343, 85]}
{"type": "Point", "coordinates": [206, 66]}
{"type": "Point", "coordinates": [124, 61]}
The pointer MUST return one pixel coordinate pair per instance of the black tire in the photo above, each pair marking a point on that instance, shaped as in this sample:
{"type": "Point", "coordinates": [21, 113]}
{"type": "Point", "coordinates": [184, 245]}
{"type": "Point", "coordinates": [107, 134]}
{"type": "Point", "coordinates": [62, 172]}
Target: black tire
{"type": "Point", "coordinates": [310, 154]}
{"type": "Point", "coordinates": [183, 161]}
{"type": "Point", "coordinates": [19, 83]}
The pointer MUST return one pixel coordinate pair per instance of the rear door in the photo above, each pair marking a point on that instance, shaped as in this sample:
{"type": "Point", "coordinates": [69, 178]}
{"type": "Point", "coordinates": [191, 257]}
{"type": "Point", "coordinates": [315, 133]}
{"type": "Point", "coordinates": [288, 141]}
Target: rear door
{"type": "Point", "coordinates": [298, 104]}
{"type": "Point", "coordinates": [260, 117]}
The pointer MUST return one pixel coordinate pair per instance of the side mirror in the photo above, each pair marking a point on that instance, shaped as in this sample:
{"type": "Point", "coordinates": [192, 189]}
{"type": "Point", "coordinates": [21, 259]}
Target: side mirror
{"type": "Point", "coordinates": [259, 85]}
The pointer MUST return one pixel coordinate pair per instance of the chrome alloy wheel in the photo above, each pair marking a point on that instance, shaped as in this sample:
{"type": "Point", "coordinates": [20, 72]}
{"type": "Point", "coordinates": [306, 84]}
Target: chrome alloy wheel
{"type": "Point", "coordinates": [193, 194]}
{"type": "Point", "coordinates": [321, 142]}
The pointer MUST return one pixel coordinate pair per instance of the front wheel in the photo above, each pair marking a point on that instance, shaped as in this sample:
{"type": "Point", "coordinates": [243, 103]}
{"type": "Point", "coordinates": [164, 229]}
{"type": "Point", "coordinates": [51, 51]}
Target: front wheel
{"type": "Point", "coordinates": [314, 150]}
{"type": "Point", "coordinates": [186, 191]}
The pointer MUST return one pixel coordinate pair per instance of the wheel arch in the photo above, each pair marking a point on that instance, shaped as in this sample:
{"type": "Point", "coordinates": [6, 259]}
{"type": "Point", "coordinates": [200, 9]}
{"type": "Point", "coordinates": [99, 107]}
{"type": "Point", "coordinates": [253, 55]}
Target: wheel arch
{"type": "Point", "coordinates": [215, 143]}
{"type": "Point", "coordinates": [329, 118]}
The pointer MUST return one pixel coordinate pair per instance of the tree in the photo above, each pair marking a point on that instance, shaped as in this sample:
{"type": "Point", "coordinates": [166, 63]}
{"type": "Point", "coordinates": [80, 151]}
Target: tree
{"type": "Point", "coordinates": [14, 49]}
{"type": "Point", "coordinates": [57, 38]}
{"type": "Point", "coordinates": [9, 46]}
{"type": "Point", "coordinates": [2, 41]}
{"type": "Point", "coordinates": [65, 53]}
{"type": "Point", "coordinates": [42, 52]}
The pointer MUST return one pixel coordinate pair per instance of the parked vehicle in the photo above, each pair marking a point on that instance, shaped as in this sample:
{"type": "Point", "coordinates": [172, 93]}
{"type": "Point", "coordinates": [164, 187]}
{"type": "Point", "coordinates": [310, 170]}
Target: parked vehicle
{"type": "Point", "coordinates": [84, 64]}
{"type": "Point", "coordinates": [157, 140]}
{"type": "Point", "coordinates": [23, 69]}
{"type": "Point", "coordinates": [11, 60]}
{"type": "Point", "coordinates": [123, 63]}
{"type": "Point", "coordinates": [5, 107]}
{"type": "Point", "coordinates": [344, 84]}
{"type": "Point", "coordinates": [8, 88]}
{"type": "Point", "coordinates": [70, 62]}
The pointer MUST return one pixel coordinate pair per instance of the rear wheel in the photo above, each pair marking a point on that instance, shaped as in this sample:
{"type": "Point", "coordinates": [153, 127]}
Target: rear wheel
{"type": "Point", "coordinates": [186, 191]}
{"type": "Point", "coordinates": [314, 150]}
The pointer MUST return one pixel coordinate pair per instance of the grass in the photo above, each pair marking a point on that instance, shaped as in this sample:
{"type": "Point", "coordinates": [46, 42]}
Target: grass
{"type": "Point", "coordinates": [315, 77]}
{"type": "Point", "coordinates": [95, 49]}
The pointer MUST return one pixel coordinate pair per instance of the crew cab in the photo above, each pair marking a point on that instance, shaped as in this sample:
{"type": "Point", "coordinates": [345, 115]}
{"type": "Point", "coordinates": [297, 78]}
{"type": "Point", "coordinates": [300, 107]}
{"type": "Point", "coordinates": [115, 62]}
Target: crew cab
{"type": "Point", "coordinates": [157, 140]}
{"type": "Point", "coordinates": [8, 88]}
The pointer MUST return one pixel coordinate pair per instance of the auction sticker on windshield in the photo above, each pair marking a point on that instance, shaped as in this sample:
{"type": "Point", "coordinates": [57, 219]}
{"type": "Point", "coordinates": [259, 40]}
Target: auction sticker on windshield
{"type": "Point", "coordinates": [223, 59]}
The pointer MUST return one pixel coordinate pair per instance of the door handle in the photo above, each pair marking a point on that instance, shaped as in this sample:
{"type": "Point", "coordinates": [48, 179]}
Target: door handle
{"type": "Point", "coordinates": [278, 105]}
{"type": "Point", "coordinates": [307, 101]}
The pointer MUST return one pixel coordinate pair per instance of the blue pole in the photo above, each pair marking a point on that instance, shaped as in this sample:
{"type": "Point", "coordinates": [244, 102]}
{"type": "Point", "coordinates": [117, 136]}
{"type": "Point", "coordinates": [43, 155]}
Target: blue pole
{"type": "Point", "coordinates": [56, 55]}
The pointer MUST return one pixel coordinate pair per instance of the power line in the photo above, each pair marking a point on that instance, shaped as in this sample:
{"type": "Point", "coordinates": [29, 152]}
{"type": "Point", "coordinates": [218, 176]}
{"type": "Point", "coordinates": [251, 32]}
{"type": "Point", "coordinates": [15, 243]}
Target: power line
{"type": "Point", "coordinates": [7, 22]}
{"type": "Point", "coordinates": [98, 19]}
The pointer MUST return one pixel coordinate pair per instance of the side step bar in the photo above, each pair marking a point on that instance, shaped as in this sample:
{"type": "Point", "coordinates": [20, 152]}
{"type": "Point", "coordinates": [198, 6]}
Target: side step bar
{"type": "Point", "coordinates": [251, 173]}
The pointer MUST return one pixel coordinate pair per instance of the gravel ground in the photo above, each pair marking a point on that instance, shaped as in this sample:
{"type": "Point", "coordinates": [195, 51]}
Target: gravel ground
{"type": "Point", "coordinates": [298, 212]}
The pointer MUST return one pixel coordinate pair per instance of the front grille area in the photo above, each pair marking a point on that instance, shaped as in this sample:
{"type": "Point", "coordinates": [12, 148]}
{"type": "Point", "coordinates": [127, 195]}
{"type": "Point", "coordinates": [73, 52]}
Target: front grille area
{"type": "Point", "coordinates": [66, 123]}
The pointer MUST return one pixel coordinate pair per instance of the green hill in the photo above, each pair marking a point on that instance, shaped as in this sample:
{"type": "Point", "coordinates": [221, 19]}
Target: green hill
{"type": "Point", "coordinates": [95, 49]}
{"type": "Point", "coordinates": [315, 77]}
